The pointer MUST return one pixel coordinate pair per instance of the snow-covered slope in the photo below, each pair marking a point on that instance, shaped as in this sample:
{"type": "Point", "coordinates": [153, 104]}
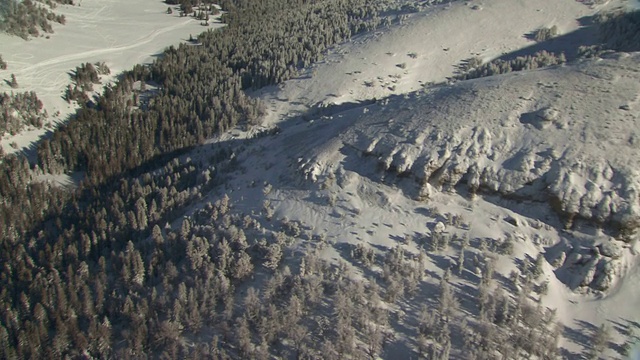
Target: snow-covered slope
{"type": "Point", "coordinates": [568, 135]}
{"type": "Point", "coordinates": [540, 148]}
{"type": "Point", "coordinates": [424, 48]}
{"type": "Point", "coordinates": [546, 160]}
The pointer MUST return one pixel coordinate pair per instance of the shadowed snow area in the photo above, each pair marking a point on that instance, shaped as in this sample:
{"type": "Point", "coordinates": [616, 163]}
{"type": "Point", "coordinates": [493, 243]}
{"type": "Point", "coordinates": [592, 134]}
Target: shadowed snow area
{"type": "Point", "coordinates": [566, 135]}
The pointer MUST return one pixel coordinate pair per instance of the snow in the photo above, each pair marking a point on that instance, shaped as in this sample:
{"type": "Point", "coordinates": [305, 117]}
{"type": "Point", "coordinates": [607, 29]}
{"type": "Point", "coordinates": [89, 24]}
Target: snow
{"type": "Point", "coordinates": [117, 32]}
{"type": "Point", "coordinates": [548, 157]}
{"type": "Point", "coordinates": [487, 133]}
{"type": "Point", "coordinates": [431, 44]}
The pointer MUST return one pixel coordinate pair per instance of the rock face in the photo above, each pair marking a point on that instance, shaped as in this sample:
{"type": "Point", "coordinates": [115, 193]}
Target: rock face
{"type": "Point", "coordinates": [610, 249]}
{"type": "Point", "coordinates": [589, 267]}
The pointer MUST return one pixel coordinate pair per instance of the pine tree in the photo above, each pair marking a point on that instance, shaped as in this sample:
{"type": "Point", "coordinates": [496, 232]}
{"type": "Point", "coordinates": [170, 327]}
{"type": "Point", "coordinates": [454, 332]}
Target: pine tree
{"type": "Point", "coordinates": [538, 266]}
{"type": "Point", "coordinates": [447, 301]}
{"type": "Point", "coordinates": [461, 261]}
{"type": "Point", "coordinates": [373, 340]}
{"type": "Point", "coordinates": [243, 336]}
{"type": "Point", "coordinates": [273, 257]}
{"type": "Point", "coordinates": [252, 304]}
{"type": "Point", "coordinates": [13, 83]}
{"type": "Point", "coordinates": [598, 342]}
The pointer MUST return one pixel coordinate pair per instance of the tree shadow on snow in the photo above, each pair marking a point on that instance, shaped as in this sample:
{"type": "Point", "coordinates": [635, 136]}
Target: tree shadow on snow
{"type": "Point", "coordinates": [568, 43]}
{"type": "Point", "coordinates": [577, 336]}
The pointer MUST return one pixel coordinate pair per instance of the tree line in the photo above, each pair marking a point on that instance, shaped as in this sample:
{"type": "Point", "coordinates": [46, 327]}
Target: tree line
{"type": "Point", "coordinates": [83, 78]}
{"type": "Point", "coordinates": [618, 30]}
{"type": "Point", "coordinates": [18, 110]}
{"type": "Point", "coordinates": [200, 94]}
{"type": "Point", "coordinates": [474, 68]}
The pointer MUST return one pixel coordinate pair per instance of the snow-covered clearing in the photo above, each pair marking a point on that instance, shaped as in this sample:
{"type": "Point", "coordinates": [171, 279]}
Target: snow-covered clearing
{"type": "Point", "coordinates": [117, 32]}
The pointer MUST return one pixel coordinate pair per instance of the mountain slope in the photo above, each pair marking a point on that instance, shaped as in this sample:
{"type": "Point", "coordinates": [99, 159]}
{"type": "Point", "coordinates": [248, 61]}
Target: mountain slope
{"type": "Point", "coordinates": [474, 220]}
{"type": "Point", "coordinates": [565, 133]}
{"type": "Point", "coordinates": [546, 150]}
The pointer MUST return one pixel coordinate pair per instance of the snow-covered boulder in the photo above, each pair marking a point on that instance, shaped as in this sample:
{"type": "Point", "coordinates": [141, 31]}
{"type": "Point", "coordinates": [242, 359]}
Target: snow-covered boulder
{"type": "Point", "coordinates": [610, 249]}
{"type": "Point", "coordinates": [604, 275]}
{"type": "Point", "coordinates": [439, 227]}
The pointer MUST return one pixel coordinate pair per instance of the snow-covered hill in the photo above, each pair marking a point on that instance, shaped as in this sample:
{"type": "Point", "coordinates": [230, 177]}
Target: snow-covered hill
{"type": "Point", "coordinates": [543, 148]}
{"type": "Point", "coordinates": [567, 135]}
{"type": "Point", "coordinates": [544, 160]}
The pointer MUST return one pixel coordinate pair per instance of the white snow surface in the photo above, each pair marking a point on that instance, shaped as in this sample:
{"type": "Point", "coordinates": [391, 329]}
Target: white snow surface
{"type": "Point", "coordinates": [567, 134]}
{"type": "Point", "coordinates": [552, 154]}
{"type": "Point", "coordinates": [543, 145]}
{"type": "Point", "coordinates": [430, 44]}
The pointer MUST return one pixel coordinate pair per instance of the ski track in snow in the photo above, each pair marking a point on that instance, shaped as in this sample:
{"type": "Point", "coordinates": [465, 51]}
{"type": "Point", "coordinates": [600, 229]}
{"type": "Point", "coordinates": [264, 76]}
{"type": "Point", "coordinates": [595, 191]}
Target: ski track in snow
{"type": "Point", "coordinates": [76, 57]}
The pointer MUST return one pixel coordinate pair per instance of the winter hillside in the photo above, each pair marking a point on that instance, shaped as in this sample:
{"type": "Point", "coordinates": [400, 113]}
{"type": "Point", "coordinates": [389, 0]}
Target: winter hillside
{"type": "Point", "coordinates": [376, 202]}
{"type": "Point", "coordinates": [543, 160]}
{"type": "Point", "coordinates": [566, 135]}
{"type": "Point", "coordinates": [546, 159]}
{"type": "Point", "coordinates": [428, 47]}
